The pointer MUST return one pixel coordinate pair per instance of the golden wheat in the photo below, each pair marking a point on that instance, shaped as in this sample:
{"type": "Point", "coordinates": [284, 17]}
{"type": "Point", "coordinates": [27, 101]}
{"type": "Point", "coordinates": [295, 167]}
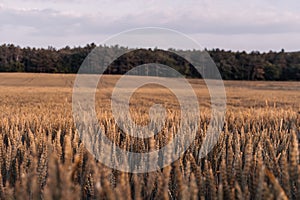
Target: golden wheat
{"type": "Point", "coordinates": [256, 157]}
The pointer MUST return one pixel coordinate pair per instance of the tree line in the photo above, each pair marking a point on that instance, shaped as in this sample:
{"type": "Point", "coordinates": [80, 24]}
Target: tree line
{"type": "Point", "coordinates": [280, 66]}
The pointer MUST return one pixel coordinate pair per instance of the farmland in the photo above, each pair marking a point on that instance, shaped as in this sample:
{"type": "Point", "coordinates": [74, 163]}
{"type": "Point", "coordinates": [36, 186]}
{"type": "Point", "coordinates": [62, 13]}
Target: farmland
{"type": "Point", "coordinates": [42, 156]}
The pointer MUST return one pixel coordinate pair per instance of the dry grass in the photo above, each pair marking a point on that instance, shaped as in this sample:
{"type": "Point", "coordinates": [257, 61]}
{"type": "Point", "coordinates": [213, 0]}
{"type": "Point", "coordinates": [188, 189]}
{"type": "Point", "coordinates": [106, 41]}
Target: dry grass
{"type": "Point", "coordinates": [42, 157]}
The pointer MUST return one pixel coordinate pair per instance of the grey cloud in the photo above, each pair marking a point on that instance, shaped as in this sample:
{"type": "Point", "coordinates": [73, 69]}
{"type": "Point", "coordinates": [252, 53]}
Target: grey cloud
{"type": "Point", "coordinates": [49, 22]}
{"type": "Point", "coordinates": [46, 22]}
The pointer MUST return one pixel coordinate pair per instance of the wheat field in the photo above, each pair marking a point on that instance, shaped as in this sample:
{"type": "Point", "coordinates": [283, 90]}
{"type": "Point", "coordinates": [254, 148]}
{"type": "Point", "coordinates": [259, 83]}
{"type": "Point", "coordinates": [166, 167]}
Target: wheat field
{"type": "Point", "coordinates": [42, 156]}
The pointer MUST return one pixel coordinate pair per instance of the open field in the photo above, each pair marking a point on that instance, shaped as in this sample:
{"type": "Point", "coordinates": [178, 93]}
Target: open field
{"type": "Point", "coordinates": [42, 156]}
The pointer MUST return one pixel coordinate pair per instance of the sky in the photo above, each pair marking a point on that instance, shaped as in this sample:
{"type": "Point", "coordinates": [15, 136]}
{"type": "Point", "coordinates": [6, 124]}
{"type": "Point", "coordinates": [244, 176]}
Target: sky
{"type": "Point", "coordinates": [256, 25]}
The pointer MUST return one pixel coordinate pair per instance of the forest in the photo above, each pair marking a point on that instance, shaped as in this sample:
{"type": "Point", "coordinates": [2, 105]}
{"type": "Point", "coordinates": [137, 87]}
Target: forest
{"type": "Point", "coordinates": [276, 66]}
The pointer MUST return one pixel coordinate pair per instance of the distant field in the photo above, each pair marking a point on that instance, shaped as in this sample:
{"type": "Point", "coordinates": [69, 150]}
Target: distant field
{"type": "Point", "coordinates": [239, 93]}
{"type": "Point", "coordinates": [42, 156]}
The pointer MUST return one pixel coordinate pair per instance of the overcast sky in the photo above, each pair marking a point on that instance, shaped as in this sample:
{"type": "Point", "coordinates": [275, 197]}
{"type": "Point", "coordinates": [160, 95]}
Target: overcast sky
{"type": "Point", "coordinates": [236, 25]}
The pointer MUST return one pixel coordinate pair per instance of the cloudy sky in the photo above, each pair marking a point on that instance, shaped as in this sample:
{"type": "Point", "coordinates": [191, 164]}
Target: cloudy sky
{"type": "Point", "coordinates": [237, 25]}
